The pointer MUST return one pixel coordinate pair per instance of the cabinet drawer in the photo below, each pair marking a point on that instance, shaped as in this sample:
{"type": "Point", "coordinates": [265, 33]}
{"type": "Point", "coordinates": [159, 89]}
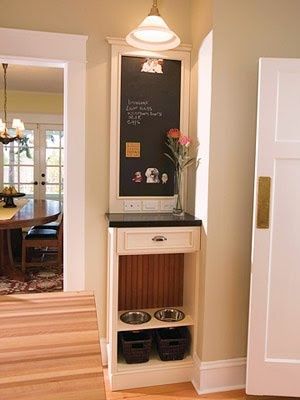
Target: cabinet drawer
{"type": "Point", "coordinates": [157, 240]}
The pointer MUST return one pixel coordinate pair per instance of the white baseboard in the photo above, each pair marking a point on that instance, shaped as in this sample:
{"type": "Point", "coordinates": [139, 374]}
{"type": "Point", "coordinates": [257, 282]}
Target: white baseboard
{"type": "Point", "coordinates": [219, 376]}
{"type": "Point", "coordinates": [103, 346]}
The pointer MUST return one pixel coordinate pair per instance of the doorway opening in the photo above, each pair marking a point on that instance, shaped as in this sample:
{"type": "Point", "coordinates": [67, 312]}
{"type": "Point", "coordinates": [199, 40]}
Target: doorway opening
{"type": "Point", "coordinates": [68, 52]}
{"type": "Point", "coordinates": [33, 166]}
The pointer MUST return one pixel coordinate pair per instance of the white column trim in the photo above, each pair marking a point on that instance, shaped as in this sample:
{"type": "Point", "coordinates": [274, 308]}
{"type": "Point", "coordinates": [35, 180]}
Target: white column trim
{"type": "Point", "coordinates": [68, 52]}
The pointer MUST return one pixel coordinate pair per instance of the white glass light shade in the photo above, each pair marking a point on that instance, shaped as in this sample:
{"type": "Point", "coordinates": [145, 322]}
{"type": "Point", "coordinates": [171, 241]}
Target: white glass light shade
{"type": "Point", "coordinates": [153, 34]}
{"type": "Point", "coordinates": [16, 123]}
{"type": "Point", "coordinates": [2, 125]}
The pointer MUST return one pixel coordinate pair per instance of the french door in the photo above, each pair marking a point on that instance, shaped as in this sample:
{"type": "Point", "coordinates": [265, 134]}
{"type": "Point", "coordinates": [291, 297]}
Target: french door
{"type": "Point", "coordinates": [35, 165]}
{"type": "Point", "coordinates": [274, 324]}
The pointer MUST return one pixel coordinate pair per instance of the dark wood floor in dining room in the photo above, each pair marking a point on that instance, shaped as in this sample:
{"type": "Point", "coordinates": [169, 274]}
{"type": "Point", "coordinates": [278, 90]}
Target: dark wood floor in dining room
{"type": "Point", "coordinates": [179, 391]}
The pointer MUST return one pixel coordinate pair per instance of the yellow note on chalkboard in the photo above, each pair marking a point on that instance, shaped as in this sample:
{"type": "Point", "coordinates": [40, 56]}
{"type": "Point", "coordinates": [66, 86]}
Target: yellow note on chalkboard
{"type": "Point", "coordinates": [133, 149]}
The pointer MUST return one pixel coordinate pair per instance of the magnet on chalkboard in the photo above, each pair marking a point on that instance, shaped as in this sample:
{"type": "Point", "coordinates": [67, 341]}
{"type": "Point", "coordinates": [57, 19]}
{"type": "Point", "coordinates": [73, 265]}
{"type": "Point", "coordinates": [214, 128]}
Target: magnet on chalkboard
{"type": "Point", "coordinates": [153, 66]}
{"type": "Point", "coordinates": [137, 177]}
{"type": "Point", "coordinates": [164, 178]}
{"type": "Point", "coordinates": [133, 149]}
{"type": "Point", "coordinates": [152, 175]}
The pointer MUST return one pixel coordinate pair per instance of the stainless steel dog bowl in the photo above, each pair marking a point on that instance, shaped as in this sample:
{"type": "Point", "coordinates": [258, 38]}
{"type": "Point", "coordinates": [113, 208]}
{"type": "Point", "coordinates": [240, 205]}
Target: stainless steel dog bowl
{"type": "Point", "coordinates": [135, 317]}
{"type": "Point", "coordinates": [169, 315]}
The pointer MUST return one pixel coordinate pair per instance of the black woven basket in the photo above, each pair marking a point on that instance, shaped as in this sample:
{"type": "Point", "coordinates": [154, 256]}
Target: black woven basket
{"type": "Point", "coordinates": [136, 346]}
{"type": "Point", "coordinates": [172, 343]}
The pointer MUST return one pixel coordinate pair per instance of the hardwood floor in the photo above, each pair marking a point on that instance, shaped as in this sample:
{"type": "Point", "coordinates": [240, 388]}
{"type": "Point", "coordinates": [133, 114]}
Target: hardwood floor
{"type": "Point", "coordinates": [49, 347]}
{"type": "Point", "coordinates": [179, 391]}
{"type": "Point", "coordinates": [49, 350]}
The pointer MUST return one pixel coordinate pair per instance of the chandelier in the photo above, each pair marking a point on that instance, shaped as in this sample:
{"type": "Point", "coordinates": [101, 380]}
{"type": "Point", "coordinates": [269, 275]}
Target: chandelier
{"type": "Point", "coordinates": [153, 33]}
{"type": "Point", "coordinates": [17, 124]}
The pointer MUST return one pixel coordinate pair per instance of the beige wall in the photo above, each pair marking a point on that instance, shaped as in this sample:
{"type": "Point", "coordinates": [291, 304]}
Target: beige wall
{"type": "Point", "coordinates": [34, 102]}
{"type": "Point", "coordinates": [243, 31]}
{"type": "Point", "coordinates": [97, 19]}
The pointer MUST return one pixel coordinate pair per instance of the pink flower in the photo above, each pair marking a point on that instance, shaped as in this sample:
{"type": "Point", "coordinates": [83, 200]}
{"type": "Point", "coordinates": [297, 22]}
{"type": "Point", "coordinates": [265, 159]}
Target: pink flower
{"type": "Point", "coordinates": [174, 133]}
{"type": "Point", "coordinates": [184, 140]}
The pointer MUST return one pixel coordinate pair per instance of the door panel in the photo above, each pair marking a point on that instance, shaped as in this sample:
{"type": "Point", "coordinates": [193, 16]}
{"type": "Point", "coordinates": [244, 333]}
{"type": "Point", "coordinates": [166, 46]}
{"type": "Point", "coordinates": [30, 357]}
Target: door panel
{"type": "Point", "coordinates": [273, 363]}
{"type": "Point", "coordinates": [19, 160]}
{"type": "Point", "coordinates": [35, 166]}
{"type": "Point", "coordinates": [283, 328]}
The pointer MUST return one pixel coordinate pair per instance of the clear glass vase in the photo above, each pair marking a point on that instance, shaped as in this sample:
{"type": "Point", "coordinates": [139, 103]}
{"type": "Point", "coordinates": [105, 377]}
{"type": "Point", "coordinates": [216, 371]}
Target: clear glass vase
{"type": "Point", "coordinates": [178, 181]}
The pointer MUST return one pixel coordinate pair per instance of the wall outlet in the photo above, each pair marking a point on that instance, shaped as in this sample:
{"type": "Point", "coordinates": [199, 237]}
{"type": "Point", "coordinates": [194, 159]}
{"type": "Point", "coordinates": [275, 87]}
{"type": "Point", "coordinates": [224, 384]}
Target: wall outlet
{"type": "Point", "coordinates": [132, 205]}
{"type": "Point", "coordinates": [151, 205]}
{"type": "Point", "coordinates": [167, 205]}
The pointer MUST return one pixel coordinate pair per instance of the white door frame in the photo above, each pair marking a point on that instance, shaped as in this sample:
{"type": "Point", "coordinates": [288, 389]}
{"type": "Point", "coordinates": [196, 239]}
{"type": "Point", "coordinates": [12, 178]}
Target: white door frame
{"type": "Point", "coordinates": [69, 52]}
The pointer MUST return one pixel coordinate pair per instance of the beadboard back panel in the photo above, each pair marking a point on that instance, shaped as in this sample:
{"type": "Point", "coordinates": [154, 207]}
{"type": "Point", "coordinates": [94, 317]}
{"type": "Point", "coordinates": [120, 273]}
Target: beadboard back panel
{"type": "Point", "coordinates": [150, 281]}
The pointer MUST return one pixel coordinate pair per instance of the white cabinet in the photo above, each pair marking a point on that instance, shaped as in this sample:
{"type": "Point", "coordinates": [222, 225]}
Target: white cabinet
{"type": "Point", "coordinates": [152, 268]}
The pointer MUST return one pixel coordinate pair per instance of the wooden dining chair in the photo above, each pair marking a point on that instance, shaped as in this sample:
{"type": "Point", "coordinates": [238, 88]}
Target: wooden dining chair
{"type": "Point", "coordinates": [50, 225]}
{"type": "Point", "coordinates": [41, 238]}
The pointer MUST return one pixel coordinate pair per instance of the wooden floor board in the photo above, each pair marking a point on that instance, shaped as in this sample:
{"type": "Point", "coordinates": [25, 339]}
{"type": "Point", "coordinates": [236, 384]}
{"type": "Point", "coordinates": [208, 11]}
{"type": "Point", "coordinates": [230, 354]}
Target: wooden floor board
{"type": "Point", "coordinates": [49, 348]}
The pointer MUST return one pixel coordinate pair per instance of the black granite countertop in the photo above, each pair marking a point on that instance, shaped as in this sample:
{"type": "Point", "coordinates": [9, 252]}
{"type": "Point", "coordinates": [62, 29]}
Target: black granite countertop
{"type": "Point", "coordinates": [137, 220]}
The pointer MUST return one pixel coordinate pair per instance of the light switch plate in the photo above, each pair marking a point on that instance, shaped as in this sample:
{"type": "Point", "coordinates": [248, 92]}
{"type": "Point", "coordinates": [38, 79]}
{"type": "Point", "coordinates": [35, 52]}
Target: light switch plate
{"type": "Point", "coordinates": [150, 205]}
{"type": "Point", "coordinates": [132, 205]}
{"type": "Point", "coordinates": [167, 205]}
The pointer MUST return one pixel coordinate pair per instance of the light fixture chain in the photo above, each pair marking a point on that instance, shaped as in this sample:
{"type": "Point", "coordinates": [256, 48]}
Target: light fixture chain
{"type": "Point", "coordinates": [5, 93]}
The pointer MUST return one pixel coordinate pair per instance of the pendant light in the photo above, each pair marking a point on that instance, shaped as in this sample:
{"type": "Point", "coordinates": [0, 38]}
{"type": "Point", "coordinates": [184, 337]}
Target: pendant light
{"type": "Point", "coordinates": [17, 124]}
{"type": "Point", "coordinates": [153, 33]}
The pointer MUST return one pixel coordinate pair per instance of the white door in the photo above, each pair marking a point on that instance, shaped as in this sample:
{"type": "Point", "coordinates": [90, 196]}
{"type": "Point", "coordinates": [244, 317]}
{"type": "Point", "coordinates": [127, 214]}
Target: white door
{"type": "Point", "coordinates": [274, 331]}
{"type": "Point", "coordinates": [35, 165]}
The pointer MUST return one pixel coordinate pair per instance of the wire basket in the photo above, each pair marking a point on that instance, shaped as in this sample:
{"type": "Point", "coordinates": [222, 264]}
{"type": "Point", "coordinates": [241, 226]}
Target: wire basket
{"type": "Point", "coordinates": [136, 346]}
{"type": "Point", "coordinates": [172, 343]}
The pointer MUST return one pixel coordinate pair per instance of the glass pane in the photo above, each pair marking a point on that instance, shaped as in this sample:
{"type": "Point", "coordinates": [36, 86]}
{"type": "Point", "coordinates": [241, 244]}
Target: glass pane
{"type": "Point", "coordinates": [62, 143]}
{"type": "Point", "coordinates": [26, 155]}
{"type": "Point", "coordinates": [62, 157]}
{"type": "Point", "coordinates": [52, 156]}
{"type": "Point", "coordinates": [28, 189]}
{"type": "Point", "coordinates": [10, 175]}
{"type": "Point", "coordinates": [52, 174]}
{"type": "Point", "coordinates": [52, 189]}
{"type": "Point", "coordinates": [26, 174]}
{"type": "Point", "coordinates": [28, 137]}
{"type": "Point", "coordinates": [10, 155]}
{"type": "Point", "coordinates": [52, 138]}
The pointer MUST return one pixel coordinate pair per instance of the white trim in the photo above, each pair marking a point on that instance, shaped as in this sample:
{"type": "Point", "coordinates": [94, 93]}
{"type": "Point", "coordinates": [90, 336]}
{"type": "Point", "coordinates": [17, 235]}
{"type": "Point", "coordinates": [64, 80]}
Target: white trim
{"type": "Point", "coordinates": [68, 52]}
{"type": "Point", "coordinates": [36, 118]}
{"type": "Point", "coordinates": [104, 350]}
{"type": "Point", "coordinates": [219, 376]}
{"type": "Point", "coordinates": [116, 202]}
{"type": "Point", "coordinates": [34, 47]}
{"type": "Point", "coordinates": [173, 372]}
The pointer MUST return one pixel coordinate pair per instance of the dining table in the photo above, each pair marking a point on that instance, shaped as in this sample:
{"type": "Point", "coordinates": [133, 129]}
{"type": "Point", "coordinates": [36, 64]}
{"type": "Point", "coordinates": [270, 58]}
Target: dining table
{"type": "Point", "coordinates": [29, 213]}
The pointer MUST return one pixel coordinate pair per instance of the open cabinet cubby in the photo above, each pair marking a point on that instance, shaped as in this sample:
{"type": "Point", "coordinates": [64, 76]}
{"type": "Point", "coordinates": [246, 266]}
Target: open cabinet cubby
{"type": "Point", "coordinates": [148, 277]}
{"type": "Point", "coordinates": [150, 282]}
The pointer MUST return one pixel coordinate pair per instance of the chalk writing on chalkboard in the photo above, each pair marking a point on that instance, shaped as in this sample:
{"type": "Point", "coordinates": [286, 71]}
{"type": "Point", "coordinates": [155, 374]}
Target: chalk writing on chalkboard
{"type": "Point", "coordinates": [139, 110]}
{"type": "Point", "coordinates": [149, 107]}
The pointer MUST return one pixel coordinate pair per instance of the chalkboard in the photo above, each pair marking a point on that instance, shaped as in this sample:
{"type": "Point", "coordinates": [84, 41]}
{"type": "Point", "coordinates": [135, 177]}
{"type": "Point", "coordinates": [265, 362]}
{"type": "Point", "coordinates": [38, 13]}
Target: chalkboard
{"type": "Point", "coordinates": [150, 106]}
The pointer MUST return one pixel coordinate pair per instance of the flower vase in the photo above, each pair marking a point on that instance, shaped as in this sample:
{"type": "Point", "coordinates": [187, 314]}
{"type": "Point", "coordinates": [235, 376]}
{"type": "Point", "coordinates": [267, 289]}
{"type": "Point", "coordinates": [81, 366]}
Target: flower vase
{"type": "Point", "coordinates": [178, 181]}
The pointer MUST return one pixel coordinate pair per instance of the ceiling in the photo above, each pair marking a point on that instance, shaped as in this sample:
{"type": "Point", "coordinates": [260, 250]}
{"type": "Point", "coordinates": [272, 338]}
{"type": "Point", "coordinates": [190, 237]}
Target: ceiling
{"type": "Point", "coordinates": [33, 79]}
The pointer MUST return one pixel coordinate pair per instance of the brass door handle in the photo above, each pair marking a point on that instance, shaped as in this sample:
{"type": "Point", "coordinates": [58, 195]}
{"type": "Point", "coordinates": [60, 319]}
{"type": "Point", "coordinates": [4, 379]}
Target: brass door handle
{"type": "Point", "coordinates": [263, 202]}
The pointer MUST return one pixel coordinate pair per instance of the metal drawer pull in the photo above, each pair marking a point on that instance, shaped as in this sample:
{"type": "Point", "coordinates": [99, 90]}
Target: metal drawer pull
{"type": "Point", "coordinates": [159, 238]}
